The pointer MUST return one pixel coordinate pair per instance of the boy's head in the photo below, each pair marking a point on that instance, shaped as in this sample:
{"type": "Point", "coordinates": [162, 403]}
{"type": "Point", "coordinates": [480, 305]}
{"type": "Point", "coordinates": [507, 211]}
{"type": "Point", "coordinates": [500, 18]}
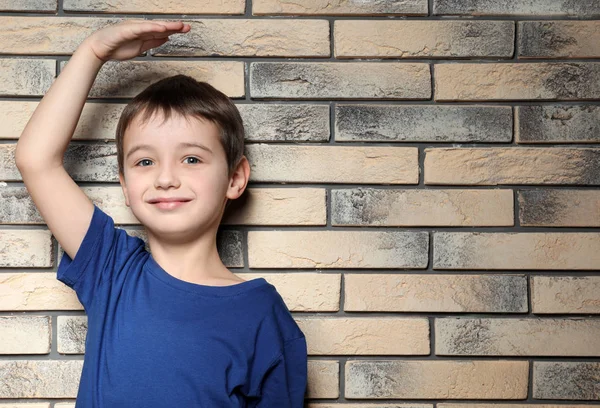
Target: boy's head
{"type": "Point", "coordinates": [193, 138]}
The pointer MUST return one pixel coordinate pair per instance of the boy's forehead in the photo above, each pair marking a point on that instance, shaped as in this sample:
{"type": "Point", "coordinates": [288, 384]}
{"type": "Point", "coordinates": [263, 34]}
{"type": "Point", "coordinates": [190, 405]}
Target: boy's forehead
{"type": "Point", "coordinates": [156, 128]}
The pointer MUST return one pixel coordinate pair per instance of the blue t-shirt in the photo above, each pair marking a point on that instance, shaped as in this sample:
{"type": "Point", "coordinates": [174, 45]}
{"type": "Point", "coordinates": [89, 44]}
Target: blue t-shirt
{"type": "Point", "coordinates": [154, 340]}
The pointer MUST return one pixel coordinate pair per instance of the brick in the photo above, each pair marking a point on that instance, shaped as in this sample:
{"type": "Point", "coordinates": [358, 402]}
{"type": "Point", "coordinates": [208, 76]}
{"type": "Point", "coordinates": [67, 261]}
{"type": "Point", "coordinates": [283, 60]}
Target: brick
{"type": "Point", "coordinates": [512, 165]}
{"type": "Point", "coordinates": [354, 249]}
{"type": "Point", "coordinates": [559, 39]}
{"type": "Point", "coordinates": [557, 124]}
{"type": "Point", "coordinates": [423, 123]}
{"type": "Point", "coordinates": [394, 292]}
{"type": "Point", "coordinates": [305, 292]}
{"type": "Point", "coordinates": [125, 79]}
{"type": "Point", "coordinates": [251, 38]}
{"type": "Point", "coordinates": [387, 207]}
{"type": "Point", "coordinates": [97, 121]}
{"type": "Point", "coordinates": [71, 334]}
{"type": "Point", "coordinates": [30, 405]}
{"type": "Point", "coordinates": [533, 250]}
{"type": "Point", "coordinates": [517, 7]}
{"type": "Point", "coordinates": [285, 122]}
{"type": "Point", "coordinates": [339, 7]}
{"type": "Point", "coordinates": [25, 248]}
{"type": "Point", "coordinates": [34, 291]}
{"type": "Point", "coordinates": [278, 206]}
{"type": "Point", "coordinates": [262, 122]}
{"type": "Point", "coordinates": [503, 405]}
{"type": "Point", "coordinates": [25, 334]}
{"type": "Point", "coordinates": [475, 379]}
{"type": "Point", "coordinates": [517, 81]}
{"type": "Point", "coordinates": [565, 294]}
{"type": "Point", "coordinates": [360, 164]}
{"type": "Point", "coordinates": [26, 76]}
{"type": "Point", "coordinates": [323, 379]}
{"type": "Point", "coordinates": [517, 337]}
{"type": "Point", "coordinates": [40, 378]}
{"type": "Point", "coordinates": [365, 335]}
{"type": "Point", "coordinates": [566, 380]}
{"type": "Point", "coordinates": [83, 162]}
{"type": "Point", "coordinates": [416, 39]}
{"type": "Point", "coordinates": [366, 405]}
{"type": "Point", "coordinates": [31, 5]}
{"type": "Point", "coordinates": [166, 7]}
{"type": "Point", "coordinates": [328, 80]}
{"type": "Point", "coordinates": [559, 208]}
{"type": "Point", "coordinates": [47, 35]}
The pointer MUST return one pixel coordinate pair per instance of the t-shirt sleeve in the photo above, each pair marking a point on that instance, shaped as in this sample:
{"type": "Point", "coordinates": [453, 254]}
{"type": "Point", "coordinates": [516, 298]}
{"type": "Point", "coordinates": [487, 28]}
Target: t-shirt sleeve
{"type": "Point", "coordinates": [284, 383]}
{"type": "Point", "coordinates": [103, 251]}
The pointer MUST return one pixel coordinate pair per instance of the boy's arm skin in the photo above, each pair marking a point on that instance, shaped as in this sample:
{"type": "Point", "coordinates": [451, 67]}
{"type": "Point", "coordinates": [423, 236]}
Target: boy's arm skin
{"type": "Point", "coordinates": [41, 147]}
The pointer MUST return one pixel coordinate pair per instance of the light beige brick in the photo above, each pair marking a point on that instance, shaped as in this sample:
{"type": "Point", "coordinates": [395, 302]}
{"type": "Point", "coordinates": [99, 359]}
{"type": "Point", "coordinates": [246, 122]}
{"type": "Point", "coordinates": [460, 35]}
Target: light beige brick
{"type": "Point", "coordinates": [323, 379]}
{"type": "Point", "coordinates": [327, 80]}
{"type": "Point", "coordinates": [517, 337]}
{"type": "Point", "coordinates": [30, 5]}
{"type": "Point", "coordinates": [251, 38]}
{"type": "Point", "coordinates": [386, 207]}
{"type": "Point", "coordinates": [35, 291]}
{"type": "Point", "coordinates": [25, 334]}
{"type": "Point", "coordinates": [559, 208]}
{"type": "Point", "coordinates": [395, 292]}
{"type": "Point", "coordinates": [512, 165]}
{"type": "Point", "coordinates": [27, 405]}
{"type": "Point", "coordinates": [166, 7]}
{"type": "Point", "coordinates": [517, 81]}
{"type": "Point", "coordinates": [25, 248]}
{"type": "Point", "coordinates": [71, 334]}
{"type": "Point", "coordinates": [475, 379]}
{"type": "Point", "coordinates": [280, 163]}
{"type": "Point", "coordinates": [423, 39]}
{"type": "Point", "coordinates": [279, 206]}
{"type": "Point", "coordinates": [565, 294]}
{"type": "Point", "coordinates": [559, 39]}
{"type": "Point", "coordinates": [47, 35]}
{"type": "Point", "coordinates": [125, 79]}
{"type": "Point", "coordinates": [337, 249]}
{"type": "Point", "coordinates": [566, 380]}
{"type": "Point", "coordinates": [365, 335]}
{"type": "Point", "coordinates": [40, 378]}
{"type": "Point", "coordinates": [339, 7]}
{"type": "Point", "coordinates": [534, 250]}
{"type": "Point", "coordinates": [26, 76]}
{"type": "Point", "coordinates": [98, 121]}
{"type": "Point", "coordinates": [305, 292]}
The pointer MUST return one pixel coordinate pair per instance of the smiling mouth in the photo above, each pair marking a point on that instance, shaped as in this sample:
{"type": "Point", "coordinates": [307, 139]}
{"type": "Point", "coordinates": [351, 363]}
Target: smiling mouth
{"type": "Point", "coordinates": [169, 205]}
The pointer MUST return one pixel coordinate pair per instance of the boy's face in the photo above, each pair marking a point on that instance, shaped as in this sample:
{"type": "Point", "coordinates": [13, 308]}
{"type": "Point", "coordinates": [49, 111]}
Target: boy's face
{"type": "Point", "coordinates": [169, 166]}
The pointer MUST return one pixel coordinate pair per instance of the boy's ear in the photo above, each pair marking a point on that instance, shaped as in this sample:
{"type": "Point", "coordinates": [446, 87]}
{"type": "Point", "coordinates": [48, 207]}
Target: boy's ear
{"type": "Point", "coordinates": [122, 181]}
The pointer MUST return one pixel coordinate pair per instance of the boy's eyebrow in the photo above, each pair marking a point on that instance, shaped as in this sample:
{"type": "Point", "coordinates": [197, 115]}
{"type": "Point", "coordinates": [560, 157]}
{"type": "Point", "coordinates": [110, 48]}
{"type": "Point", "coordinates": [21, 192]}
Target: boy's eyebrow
{"type": "Point", "coordinates": [182, 144]}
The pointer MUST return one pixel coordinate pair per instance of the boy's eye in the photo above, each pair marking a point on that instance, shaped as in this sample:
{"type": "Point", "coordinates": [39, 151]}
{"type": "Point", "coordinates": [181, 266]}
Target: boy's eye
{"type": "Point", "coordinates": [194, 158]}
{"type": "Point", "coordinates": [143, 160]}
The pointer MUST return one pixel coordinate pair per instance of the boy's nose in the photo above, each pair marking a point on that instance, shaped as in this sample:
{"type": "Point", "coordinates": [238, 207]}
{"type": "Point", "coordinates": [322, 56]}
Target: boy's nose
{"type": "Point", "coordinates": [166, 178]}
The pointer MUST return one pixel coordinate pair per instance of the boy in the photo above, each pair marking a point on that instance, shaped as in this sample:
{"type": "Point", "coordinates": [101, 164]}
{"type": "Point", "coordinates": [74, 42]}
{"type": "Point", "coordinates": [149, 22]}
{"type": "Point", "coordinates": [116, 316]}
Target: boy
{"type": "Point", "coordinates": [174, 327]}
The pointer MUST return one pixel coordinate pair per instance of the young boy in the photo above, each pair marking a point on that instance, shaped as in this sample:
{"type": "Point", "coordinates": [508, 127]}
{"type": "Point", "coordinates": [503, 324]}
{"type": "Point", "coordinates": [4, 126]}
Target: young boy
{"type": "Point", "coordinates": [172, 327]}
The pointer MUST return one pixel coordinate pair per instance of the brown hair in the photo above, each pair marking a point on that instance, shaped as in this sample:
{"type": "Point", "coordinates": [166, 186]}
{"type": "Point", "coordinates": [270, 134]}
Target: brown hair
{"type": "Point", "coordinates": [190, 98]}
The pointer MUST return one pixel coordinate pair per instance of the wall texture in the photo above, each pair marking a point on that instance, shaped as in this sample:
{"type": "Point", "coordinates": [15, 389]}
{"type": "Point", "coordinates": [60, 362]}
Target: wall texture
{"type": "Point", "coordinates": [424, 189]}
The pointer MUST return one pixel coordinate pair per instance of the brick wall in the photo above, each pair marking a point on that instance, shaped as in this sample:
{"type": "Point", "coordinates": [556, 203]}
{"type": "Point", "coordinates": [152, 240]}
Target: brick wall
{"type": "Point", "coordinates": [424, 189]}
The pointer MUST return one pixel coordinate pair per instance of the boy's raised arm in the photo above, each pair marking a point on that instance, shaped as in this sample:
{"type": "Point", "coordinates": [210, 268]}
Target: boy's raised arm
{"type": "Point", "coordinates": [41, 147]}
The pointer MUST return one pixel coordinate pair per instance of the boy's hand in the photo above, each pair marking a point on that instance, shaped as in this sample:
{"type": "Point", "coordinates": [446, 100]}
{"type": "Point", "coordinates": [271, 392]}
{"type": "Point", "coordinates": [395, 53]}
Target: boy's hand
{"type": "Point", "coordinates": [130, 38]}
